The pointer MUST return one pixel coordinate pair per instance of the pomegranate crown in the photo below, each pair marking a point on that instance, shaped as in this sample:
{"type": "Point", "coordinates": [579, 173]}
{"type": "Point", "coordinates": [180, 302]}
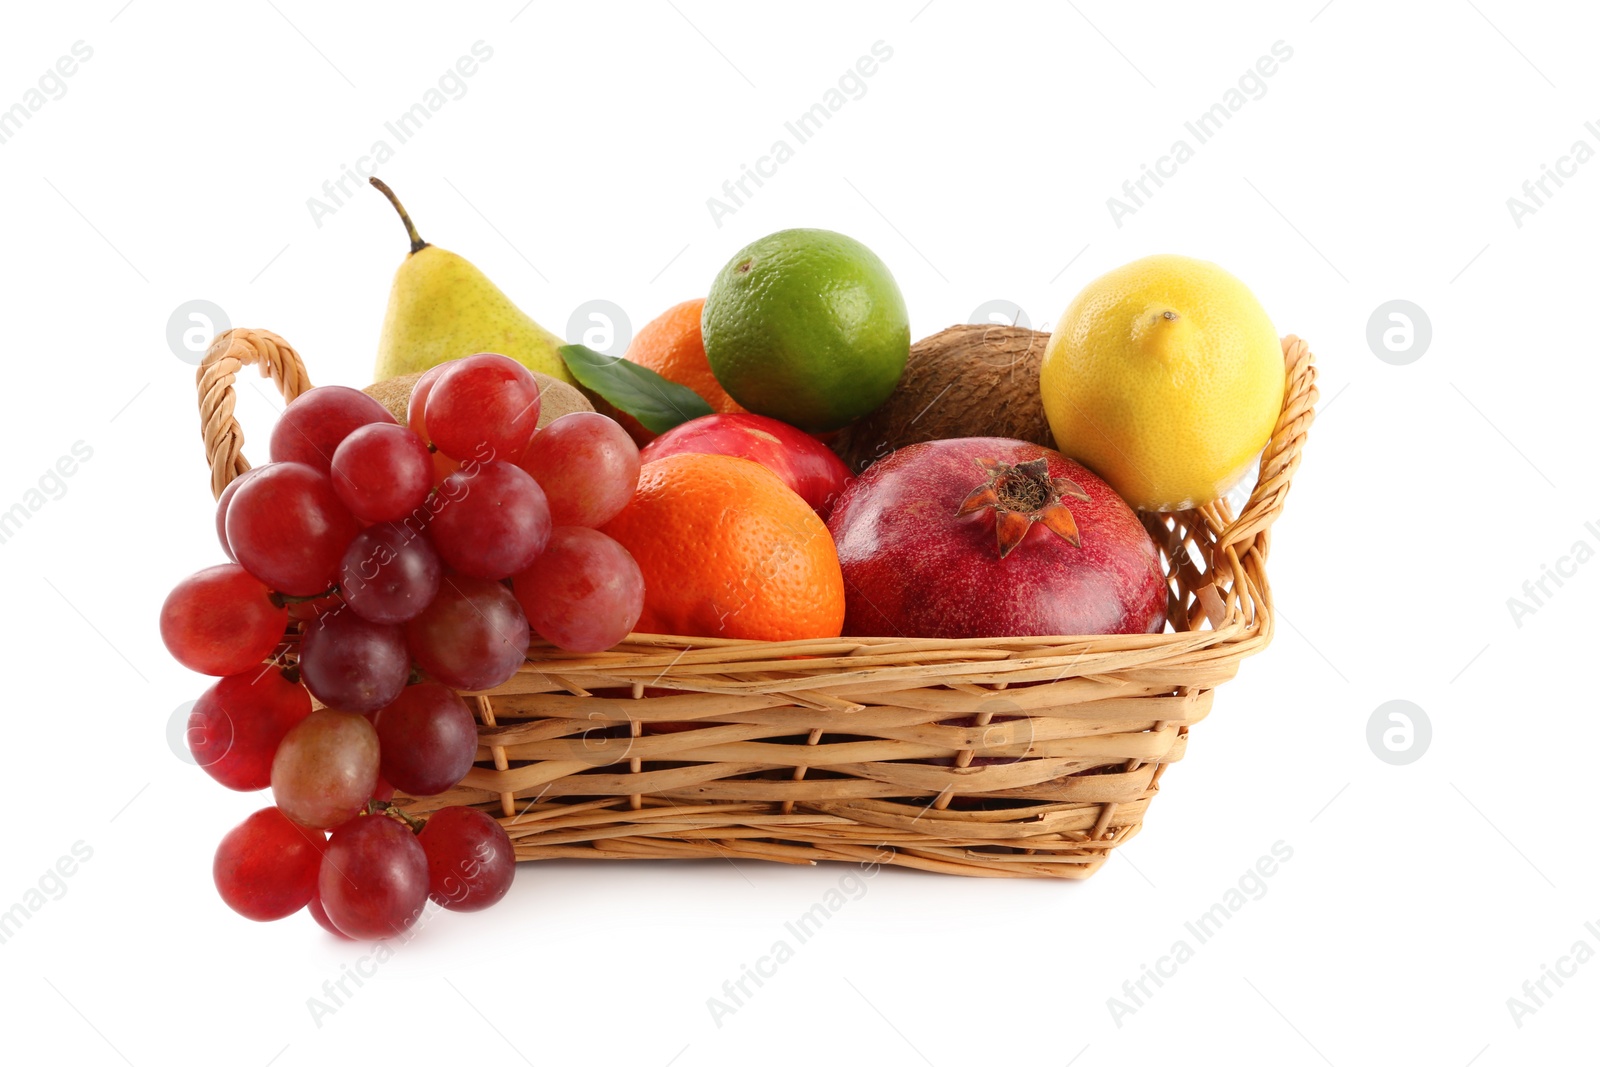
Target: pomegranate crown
{"type": "Point", "coordinates": [1022, 494]}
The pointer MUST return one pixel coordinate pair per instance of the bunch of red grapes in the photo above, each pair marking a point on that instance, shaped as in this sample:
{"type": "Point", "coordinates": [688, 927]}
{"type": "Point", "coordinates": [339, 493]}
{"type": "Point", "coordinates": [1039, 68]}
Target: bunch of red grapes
{"type": "Point", "coordinates": [381, 569]}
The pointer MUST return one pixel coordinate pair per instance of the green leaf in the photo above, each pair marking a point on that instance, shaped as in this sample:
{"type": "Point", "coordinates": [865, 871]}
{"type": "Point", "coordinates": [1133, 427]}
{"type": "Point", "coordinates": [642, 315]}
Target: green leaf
{"type": "Point", "coordinates": [658, 404]}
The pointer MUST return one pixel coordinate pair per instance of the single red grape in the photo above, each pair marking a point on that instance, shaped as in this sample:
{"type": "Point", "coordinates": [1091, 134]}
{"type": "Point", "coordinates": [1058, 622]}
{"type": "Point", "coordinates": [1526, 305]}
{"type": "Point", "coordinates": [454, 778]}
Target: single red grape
{"type": "Point", "coordinates": [417, 406]}
{"type": "Point", "coordinates": [236, 725]}
{"type": "Point", "coordinates": [326, 768]}
{"type": "Point", "coordinates": [587, 466]}
{"type": "Point", "coordinates": [266, 867]}
{"type": "Point", "coordinates": [427, 740]}
{"type": "Point", "coordinates": [390, 573]}
{"type": "Point", "coordinates": [289, 528]}
{"type": "Point", "coordinates": [473, 636]}
{"type": "Point", "coordinates": [470, 858]}
{"type": "Point", "coordinates": [310, 429]}
{"type": "Point", "coordinates": [443, 465]}
{"type": "Point", "coordinates": [382, 472]}
{"type": "Point", "coordinates": [352, 664]}
{"type": "Point", "coordinates": [221, 621]}
{"type": "Point", "coordinates": [483, 400]}
{"type": "Point", "coordinates": [321, 916]}
{"type": "Point", "coordinates": [374, 878]}
{"type": "Point", "coordinates": [493, 521]}
{"type": "Point", "coordinates": [584, 593]}
{"type": "Point", "coordinates": [222, 510]}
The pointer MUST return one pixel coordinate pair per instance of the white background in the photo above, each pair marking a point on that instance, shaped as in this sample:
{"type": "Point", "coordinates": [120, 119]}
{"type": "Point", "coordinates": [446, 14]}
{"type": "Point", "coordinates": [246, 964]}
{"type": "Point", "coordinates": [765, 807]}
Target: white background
{"type": "Point", "coordinates": [577, 166]}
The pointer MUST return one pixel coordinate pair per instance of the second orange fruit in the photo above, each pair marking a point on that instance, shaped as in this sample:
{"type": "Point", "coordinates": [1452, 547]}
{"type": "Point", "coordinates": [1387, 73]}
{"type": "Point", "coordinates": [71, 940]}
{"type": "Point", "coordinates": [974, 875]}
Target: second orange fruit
{"type": "Point", "coordinates": [671, 345]}
{"type": "Point", "coordinates": [728, 550]}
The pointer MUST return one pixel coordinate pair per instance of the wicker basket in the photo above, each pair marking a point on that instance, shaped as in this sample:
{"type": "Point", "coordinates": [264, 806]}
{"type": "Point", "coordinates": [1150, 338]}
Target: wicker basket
{"type": "Point", "coordinates": [1010, 757]}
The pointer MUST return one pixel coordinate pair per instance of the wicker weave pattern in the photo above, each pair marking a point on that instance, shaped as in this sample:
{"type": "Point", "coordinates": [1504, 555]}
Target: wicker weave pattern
{"type": "Point", "coordinates": [1021, 757]}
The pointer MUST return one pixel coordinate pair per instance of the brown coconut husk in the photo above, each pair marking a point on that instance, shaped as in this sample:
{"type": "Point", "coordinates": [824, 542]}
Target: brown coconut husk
{"type": "Point", "coordinates": [964, 381]}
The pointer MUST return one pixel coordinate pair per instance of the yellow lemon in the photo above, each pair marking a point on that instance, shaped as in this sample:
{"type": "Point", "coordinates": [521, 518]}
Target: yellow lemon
{"type": "Point", "coordinates": [1165, 377]}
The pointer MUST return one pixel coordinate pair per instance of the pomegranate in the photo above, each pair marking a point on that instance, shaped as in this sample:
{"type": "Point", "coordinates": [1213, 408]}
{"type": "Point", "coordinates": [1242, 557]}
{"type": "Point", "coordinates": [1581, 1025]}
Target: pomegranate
{"type": "Point", "coordinates": [990, 537]}
{"type": "Point", "coordinates": [804, 463]}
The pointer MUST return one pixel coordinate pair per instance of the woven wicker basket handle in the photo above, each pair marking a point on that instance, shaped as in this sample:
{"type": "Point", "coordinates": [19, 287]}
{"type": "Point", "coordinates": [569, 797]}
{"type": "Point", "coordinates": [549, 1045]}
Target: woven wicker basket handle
{"type": "Point", "coordinates": [228, 352]}
{"type": "Point", "coordinates": [1282, 455]}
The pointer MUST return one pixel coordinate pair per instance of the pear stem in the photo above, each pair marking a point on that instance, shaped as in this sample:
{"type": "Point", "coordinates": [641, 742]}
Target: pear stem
{"type": "Point", "coordinates": [417, 243]}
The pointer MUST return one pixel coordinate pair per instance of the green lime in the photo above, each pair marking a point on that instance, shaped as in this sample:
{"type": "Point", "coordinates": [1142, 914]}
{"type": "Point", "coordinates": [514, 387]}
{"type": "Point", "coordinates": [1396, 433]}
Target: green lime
{"type": "Point", "coordinates": [807, 326]}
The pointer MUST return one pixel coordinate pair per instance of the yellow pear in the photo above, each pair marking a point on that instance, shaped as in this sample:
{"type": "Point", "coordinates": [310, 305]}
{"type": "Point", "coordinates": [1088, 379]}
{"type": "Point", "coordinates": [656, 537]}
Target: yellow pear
{"type": "Point", "coordinates": [441, 308]}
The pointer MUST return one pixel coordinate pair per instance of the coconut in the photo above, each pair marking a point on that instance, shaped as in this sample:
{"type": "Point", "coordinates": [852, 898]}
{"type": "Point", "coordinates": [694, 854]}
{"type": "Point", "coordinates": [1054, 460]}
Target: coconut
{"type": "Point", "coordinates": [964, 381]}
{"type": "Point", "coordinates": [556, 397]}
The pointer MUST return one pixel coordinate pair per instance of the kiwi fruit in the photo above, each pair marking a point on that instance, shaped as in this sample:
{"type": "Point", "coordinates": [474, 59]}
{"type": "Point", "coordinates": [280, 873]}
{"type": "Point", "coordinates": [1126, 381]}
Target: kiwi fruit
{"type": "Point", "coordinates": [965, 381]}
{"type": "Point", "coordinates": [394, 394]}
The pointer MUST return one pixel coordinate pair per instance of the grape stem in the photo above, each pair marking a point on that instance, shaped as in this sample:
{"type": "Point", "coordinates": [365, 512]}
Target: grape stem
{"type": "Point", "coordinates": [284, 600]}
{"type": "Point", "coordinates": [383, 807]}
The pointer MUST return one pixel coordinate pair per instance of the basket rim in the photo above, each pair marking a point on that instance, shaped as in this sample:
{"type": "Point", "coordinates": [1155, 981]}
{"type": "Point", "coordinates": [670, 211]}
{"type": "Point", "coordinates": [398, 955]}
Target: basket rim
{"type": "Point", "coordinates": [1060, 645]}
{"type": "Point", "coordinates": [1236, 536]}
